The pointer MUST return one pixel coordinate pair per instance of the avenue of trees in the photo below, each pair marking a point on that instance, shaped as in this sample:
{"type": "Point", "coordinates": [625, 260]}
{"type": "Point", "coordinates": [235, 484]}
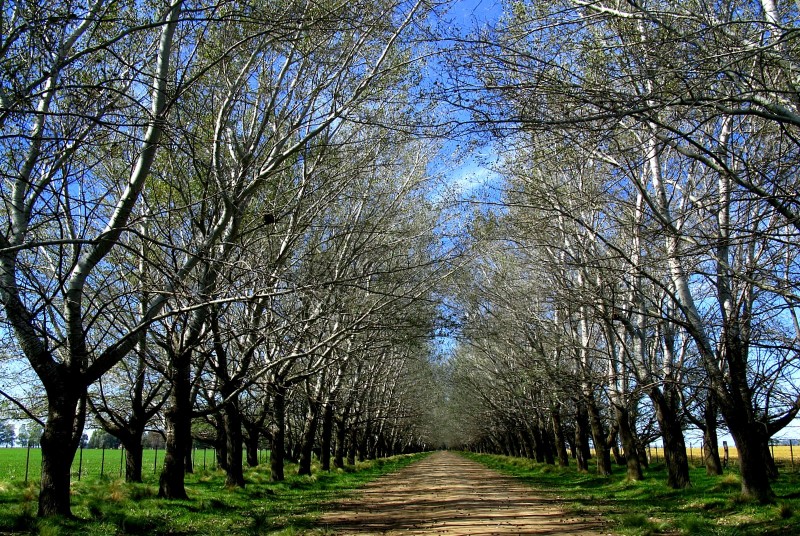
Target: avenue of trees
{"type": "Point", "coordinates": [640, 272]}
{"type": "Point", "coordinates": [221, 225]}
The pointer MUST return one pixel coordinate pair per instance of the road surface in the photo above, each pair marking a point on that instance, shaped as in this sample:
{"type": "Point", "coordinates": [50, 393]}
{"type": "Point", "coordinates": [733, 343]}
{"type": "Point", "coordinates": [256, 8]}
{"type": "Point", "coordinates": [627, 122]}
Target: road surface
{"type": "Point", "coordinates": [446, 494]}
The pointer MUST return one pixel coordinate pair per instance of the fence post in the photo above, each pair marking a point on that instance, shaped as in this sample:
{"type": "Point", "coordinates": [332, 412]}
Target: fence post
{"type": "Point", "coordinates": [27, 461]}
{"type": "Point", "coordinates": [80, 463]}
{"type": "Point", "coordinates": [102, 460]}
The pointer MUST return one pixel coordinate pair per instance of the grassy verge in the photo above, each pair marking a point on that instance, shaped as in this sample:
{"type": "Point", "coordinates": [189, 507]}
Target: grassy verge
{"type": "Point", "coordinates": [105, 506]}
{"type": "Point", "coordinates": [712, 506]}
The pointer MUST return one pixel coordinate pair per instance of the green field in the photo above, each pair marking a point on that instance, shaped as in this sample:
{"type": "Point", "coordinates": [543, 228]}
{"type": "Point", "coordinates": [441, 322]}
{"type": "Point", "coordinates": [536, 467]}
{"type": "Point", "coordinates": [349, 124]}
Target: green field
{"type": "Point", "coordinates": [95, 462]}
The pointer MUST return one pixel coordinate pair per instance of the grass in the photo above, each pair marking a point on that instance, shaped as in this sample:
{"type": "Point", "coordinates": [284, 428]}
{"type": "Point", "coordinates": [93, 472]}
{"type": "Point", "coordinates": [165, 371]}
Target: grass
{"type": "Point", "coordinates": [108, 506]}
{"type": "Point", "coordinates": [94, 462]}
{"type": "Point", "coordinates": [711, 506]}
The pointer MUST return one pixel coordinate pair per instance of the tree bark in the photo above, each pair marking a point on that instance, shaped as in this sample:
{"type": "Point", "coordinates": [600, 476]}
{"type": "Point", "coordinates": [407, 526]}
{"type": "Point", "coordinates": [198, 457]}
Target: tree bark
{"type": "Point", "coordinates": [626, 435]}
{"type": "Point", "coordinates": [307, 438]}
{"type": "Point", "coordinates": [710, 440]}
{"type": "Point", "coordinates": [279, 435]}
{"type": "Point", "coordinates": [179, 430]}
{"type": "Point", "coordinates": [602, 452]}
{"type": "Point", "coordinates": [251, 439]}
{"type": "Point", "coordinates": [66, 414]}
{"type": "Point", "coordinates": [253, 429]}
{"type": "Point", "coordinates": [558, 433]}
{"type": "Point", "coordinates": [752, 447]}
{"type": "Point", "coordinates": [234, 473]}
{"type": "Point", "coordinates": [341, 441]}
{"type": "Point", "coordinates": [133, 460]}
{"type": "Point", "coordinates": [327, 436]}
{"type": "Point", "coordinates": [352, 447]}
{"type": "Point", "coordinates": [674, 444]}
{"type": "Point", "coordinates": [582, 452]}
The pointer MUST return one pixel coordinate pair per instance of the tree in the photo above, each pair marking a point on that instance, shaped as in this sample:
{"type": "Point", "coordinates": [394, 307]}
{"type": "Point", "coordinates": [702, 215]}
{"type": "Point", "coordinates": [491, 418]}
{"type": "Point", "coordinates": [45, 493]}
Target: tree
{"type": "Point", "coordinates": [89, 70]}
{"type": "Point", "coordinates": [85, 122]}
{"type": "Point", "coordinates": [30, 434]}
{"type": "Point", "coordinates": [103, 440]}
{"type": "Point", "coordinates": [640, 87]}
{"type": "Point", "coordinates": [7, 434]}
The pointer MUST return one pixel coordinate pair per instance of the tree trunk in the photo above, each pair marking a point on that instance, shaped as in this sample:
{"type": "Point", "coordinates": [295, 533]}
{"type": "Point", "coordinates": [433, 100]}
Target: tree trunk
{"type": "Point", "coordinates": [558, 433]}
{"type": "Point", "coordinates": [279, 435]}
{"type": "Point", "coordinates": [642, 451]}
{"type": "Point", "coordinates": [710, 441]}
{"type": "Point", "coordinates": [582, 452]}
{"type": "Point", "coordinates": [601, 449]}
{"type": "Point", "coordinates": [179, 431]}
{"type": "Point", "coordinates": [772, 469]}
{"type": "Point", "coordinates": [307, 438]}
{"type": "Point", "coordinates": [363, 445]}
{"type": "Point", "coordinates": [133, 459]}
{"type": "Point", "coordinates": [234, 474]}
{"type": "Point", "coordinates": [674, 444]}
{"type": "Point", "coordinates": [616, 453]}
{"type": "Point", "coordinates": [65, 419]}
{"type": "Point", "coordinates": [547, 440]}
{"type": "Point", "coordinates": [528, 442]}
{"type": "Point", "coordinates": [351, 450]}
{"type": "Point", "coordinates": [341, 441]}
{"type": "Point", "coordinates": [251, 440]}
{"type": "Point", "coordinates": [626, 435]}
{"type": "Point", "coordinates": [752, 447]}
{"type": "Point", "coordinates": [327, 433]}
{"type": "Point", "coordinates": [188, 462]}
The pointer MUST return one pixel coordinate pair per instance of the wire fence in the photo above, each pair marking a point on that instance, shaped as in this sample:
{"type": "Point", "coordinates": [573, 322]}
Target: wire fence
{"type": "Point", "coordinates": [25, 463]}
{"type": "Point", "coordinates": [783, 454]}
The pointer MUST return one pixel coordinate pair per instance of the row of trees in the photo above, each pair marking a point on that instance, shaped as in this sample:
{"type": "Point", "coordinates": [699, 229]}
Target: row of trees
{"type": "Point", "coordinates": [28, 435]}
{"type": "Point", "coordinates": [216, 222]}
{"type": "Point", "coordinates": [641, 274]}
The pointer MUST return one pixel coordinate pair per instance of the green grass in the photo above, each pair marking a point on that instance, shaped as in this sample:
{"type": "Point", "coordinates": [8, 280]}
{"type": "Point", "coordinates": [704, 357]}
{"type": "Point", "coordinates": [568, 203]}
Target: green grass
{"type": "Point", "coordinates": [109, 506]}
{"type": "Point", "coordinates": [711, 506]}
{"type": "Point", "coordinates": [95, 462]}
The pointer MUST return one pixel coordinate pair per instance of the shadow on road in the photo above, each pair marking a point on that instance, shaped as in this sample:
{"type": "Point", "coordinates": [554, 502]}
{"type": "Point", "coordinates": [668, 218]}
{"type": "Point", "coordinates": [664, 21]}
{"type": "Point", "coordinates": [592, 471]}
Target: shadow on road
{"type": "Point", "coordinates": [446, 494]}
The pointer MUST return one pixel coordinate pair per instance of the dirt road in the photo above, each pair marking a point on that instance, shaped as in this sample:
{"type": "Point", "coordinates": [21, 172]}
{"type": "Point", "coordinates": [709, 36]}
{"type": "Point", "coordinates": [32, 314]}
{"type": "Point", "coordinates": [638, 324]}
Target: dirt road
{"type": "Point", "coordinates": [446, 494]}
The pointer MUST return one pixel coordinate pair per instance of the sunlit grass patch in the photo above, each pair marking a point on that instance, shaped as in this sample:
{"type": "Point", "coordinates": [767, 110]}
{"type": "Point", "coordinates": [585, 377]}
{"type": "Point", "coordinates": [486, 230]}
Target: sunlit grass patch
{"type": "Point", "coordinates": [729, 482]}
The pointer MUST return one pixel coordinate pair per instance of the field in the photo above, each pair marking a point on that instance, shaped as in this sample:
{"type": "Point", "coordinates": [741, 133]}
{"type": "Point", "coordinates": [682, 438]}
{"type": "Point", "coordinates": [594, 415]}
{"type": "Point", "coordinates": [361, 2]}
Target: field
{"type": "Point", "coordinates": [94, 462]}
{"type": "Point", "coordinates": [786, 457]}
